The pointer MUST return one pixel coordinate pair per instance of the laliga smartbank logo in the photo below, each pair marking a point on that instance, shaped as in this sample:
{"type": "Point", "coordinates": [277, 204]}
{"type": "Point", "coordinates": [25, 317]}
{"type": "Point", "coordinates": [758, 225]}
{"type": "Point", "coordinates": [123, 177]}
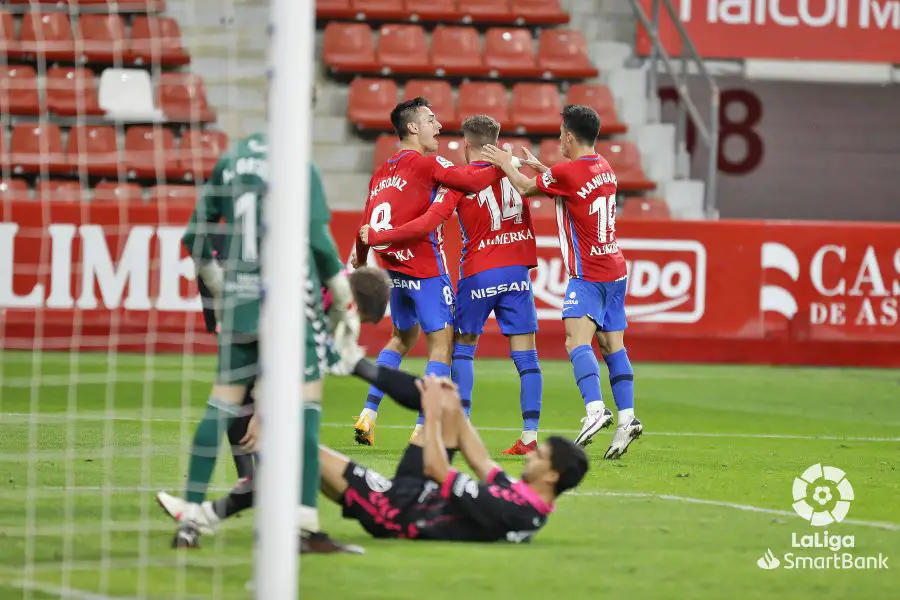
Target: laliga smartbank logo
{"type": "Point", "coordinates": [822, 496]}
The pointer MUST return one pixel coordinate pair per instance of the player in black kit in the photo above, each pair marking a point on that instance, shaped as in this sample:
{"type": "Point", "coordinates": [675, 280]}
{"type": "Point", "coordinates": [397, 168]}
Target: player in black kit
{"type": "Point", "coordinates": [427, 499]}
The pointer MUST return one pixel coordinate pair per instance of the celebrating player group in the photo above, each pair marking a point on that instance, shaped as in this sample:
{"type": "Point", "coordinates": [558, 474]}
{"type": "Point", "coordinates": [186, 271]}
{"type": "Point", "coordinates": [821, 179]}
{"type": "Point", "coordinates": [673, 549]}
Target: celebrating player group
{"type": "Point", "coordinates": [414, 192]}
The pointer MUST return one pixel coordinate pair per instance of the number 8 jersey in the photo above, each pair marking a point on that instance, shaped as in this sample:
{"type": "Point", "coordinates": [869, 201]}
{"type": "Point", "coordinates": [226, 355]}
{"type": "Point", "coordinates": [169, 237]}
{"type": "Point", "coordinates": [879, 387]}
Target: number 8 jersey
{"type": "Point", "coordinates": [585, 192]}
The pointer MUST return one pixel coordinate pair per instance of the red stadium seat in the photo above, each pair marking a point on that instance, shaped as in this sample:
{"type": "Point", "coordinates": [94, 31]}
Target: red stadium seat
{"type": "Point", "coordinates": [432, 10]}
{"type": "Point", "coordinates": [385, 147]}
{"type": "Point", "coordinates": [101, 38]}
{"type": "Point", "coordinates": [14, 190]}
{"type": "Point", "coordinates": [599, 98]}
{"type": "Point", "coordinates": [540, 12]}
{"type": "Point", "coordinates": [550, 153]}
{"type": "Point", "coordinates": [150, 152]}
{"type": "Point", "coordinates": [378, 10]}
{"type": "Point", "coordinates": [625, 160]}
{"type": "Point", "coordinates": [334, 9]}
{"type": "Point", "coordinates": [440, 95]}
{"type": "Point", "coordinates": [94, 150]}
{"type": "Point", "coordinates": [348, 47]}
{"type": "Point", "coordinates": [486, 11]}
{"type": "Point", "coordinates": [542, 207]}
{"type": "Point", "coordinates": [157, 41]}
{"type": "Point", "coordinates": [182, 97]}
{"type": "Point", "coordinates": [487, 98]}
{"type": "Point", "coordinates": [370, 103]}
{"type": "Point", "coordinates": [19, 90]}
{"type": "Point", "coordinates": [403, 49]}
{"type": "Point", "coordinates": [199, 152]}
{"type": "Point", "coordinates": [36, 148]}
{"type": "Point", "coordinates": [457, 51]}
{"type": "Point", "coordinates": [8, 42]}
{"type": "Point", "coordinates": [47, 34]}
{"type": "Point", "coordinates": [509, 52]}
{"type": "Point", "coordinates": [111, 191]}
{"type": "Point", "coordinates": [644, 208]}
{"type": "Point", "coordinates": [452, 149]}
{"type": "Point", "coordinates": [52, 190]}
{"type": "Point", "coordinates": [535, 108]}
{"type": "Point", "coordinates": [563, 54]}
{"type": "Point", "coordinates": [72, 92]}
{"type": "Point", "coordinates": [174, 194]}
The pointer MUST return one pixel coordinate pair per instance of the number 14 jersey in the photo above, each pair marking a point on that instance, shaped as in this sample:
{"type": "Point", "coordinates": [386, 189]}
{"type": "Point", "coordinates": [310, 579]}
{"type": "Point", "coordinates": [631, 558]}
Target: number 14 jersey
{"type": "Point", "coordinates": [585, 192]}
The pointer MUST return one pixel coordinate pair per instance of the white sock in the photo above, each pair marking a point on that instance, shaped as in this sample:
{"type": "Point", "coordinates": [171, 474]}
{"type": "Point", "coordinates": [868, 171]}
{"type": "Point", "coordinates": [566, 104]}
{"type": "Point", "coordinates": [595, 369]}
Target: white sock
{"type": "Point", "coordinates": [211, 515]}
{"type": "Point", "coordinates": [625, 417]}
{"type": "Point", "coordinates": [368, 412]}
{"type": "Point", "coordinates": [529, 436]}
{"type": "Point", "coordinates": [595, 406]}
{"type": "Point", "coordinates": [308, 518]}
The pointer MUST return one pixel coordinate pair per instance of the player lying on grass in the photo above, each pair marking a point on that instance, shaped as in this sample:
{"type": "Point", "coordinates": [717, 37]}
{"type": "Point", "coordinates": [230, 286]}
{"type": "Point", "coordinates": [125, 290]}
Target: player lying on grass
{"type": "Point", "coordinates": [498, 251]}
{"type": "Point", "coordinates": [585, 191]}
{"type": "Point", "coordinates": [422, 297]}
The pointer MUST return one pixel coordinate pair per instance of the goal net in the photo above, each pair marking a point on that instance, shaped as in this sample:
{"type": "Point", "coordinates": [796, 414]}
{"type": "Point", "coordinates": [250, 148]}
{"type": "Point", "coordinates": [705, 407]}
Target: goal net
{"type": "Point", "coordinates": [113, 117]}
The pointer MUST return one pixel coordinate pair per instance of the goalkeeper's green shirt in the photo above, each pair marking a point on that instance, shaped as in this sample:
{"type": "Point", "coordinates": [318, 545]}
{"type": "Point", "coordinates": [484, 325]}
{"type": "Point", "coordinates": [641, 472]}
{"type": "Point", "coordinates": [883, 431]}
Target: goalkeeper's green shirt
{"type": "Point", "coordinates": [234, 197]}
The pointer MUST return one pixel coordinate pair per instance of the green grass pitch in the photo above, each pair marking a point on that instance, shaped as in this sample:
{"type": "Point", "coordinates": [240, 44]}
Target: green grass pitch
{"type": "Point", "coordinates": [686, 514]}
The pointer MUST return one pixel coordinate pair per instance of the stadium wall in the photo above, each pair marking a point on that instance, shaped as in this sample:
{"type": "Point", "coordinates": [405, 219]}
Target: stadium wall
{"type": "Point", "coordinates": [780, 292]}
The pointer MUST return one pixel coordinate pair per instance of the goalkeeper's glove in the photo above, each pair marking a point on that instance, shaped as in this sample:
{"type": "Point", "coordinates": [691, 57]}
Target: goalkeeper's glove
{"type": "Point", "coordinates": [350, 355]}
{"type": "Point", "coordinates": [342, 299]}
{"type": "Point", "coordinates": [213, 276]}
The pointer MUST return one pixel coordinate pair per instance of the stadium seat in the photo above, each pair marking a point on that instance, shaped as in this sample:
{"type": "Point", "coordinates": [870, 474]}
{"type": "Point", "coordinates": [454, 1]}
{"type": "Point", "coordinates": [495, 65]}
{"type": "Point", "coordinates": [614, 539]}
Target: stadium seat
{"type": "Point", "coordinates": [509, 52]}
{"type": "Point", "coordinates": [14, 190]}
{"type": "Point", "coordinates": [334, 9]}
{"type": "Point", "coordinates": [563, 54]}
{"type": "Point", "coordinates": [348, 47]}
{"type": "Point", "coordinates": [452, 149]}
{"type": "Point", "coordinates": [535, 108]}
{"type": "Point", "coordinates": [182, 98]}
{"type": "Point", "coordinates": [157, 40]}
{"type": "Point", "coordinates": [440, 95]}
{"type": "Point", "coordinates": [599, 98]}
{"type": "Point", "coordinates": [487, 98]}
{"type": "Point", "coordinates": [539, 12]}
{"type": "Point", "coordinates": [19, 90]}
{"type": "Point", "coordinates": [550, 153]}
{"type": "Point", "coordinates": [625, 160]}
{"type": "Point", "coordinates": [542, 207]}
{"type": "Point", "coordinates": [378, 10]}
{"type": "Point", "coordinates": [102, 37]}
{"type": "Point", "coordinates": [72, 92]}
{"type": "Point", "coordinates": [370, 103]}
{"type": "Point", "coordinates": [8, 43]}
{"type": "Point", "coordinates": [174, 194]}
{"type": "Point", "coordinates": [644, 208]}
{"type": "Point", "coordinates": [385, 147]}
{"type": "Point", "coordinates": [48, 34]}
{"type": "Point", "coordinates": [403, 49]}
{"type": "Point", "coordinates": [432, 10]}
{"type": "Point", "coordinates": [457, 51]}
{"type": "Point", "coordinates": [93, 150]}
{"type": "Point", "coordinates": [150, 153]}
{"type": "Point", "coordinates": [486, 11]}
{"type": "Point", "coordinates": [36, 148]}
{"type": "Point", "coordinates": [199, 152]}
{"type": "Point", "coordinates": [53, 190]}
{"type": "Point", "coordinates": [111, 191]}
{"type": "Point", "coordinates": [127, 95]}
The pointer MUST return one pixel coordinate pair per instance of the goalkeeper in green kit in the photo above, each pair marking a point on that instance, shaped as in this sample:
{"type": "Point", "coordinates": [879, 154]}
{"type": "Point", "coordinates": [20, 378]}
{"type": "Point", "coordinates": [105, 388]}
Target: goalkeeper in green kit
{"type": "Point", "coordinates": [236, 194]}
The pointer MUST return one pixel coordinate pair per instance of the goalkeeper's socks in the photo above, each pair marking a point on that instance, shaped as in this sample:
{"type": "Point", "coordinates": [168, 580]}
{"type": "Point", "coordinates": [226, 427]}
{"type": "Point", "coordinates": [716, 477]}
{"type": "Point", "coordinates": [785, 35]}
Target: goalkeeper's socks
{"type": "Point", "coordinates": [587, 376]}
{"type": "Point", "coordinates": [438, 369]}
{"type": "Point", "coordinates": [462, 372]}
{"type": "Point", "coordinates": [207, 439]}
{"type": "Point", "coordinates": [386, 358]}
{"type": "Point", "coordinates": [621, 379]}
{"type": "Point", "coordinates": [531, 388]}
{"type": "Point", "coordinates": [309, 491]}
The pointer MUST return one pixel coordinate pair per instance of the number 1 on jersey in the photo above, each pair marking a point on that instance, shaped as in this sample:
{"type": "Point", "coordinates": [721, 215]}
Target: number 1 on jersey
{"type": "Point", "coordinates": [511, 207]}
{"type": "Point", "coordinates": [606, 217]}
{"type": "Point", "coordinates": [245, 210]}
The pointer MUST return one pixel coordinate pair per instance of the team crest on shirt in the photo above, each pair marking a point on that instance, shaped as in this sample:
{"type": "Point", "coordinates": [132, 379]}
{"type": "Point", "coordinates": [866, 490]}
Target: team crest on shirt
{"type": "Point", "coordinates": [547, 179]}
{"type": "Point", "coordinates": [443, 162]}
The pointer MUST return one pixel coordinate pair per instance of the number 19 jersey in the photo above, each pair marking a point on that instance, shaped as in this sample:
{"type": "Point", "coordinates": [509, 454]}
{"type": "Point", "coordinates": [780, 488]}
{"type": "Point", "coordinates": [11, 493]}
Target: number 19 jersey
{"type": "Point", "coordinates": [496, 228]}
{"type": "Point", "coordinates": [585, 192]}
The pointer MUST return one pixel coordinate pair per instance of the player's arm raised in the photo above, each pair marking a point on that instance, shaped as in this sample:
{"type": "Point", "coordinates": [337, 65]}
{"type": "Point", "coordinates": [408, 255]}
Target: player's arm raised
{"type": "Point", "coordinates": [444, 204]}
{"type": "Point", "coordinates": [526, 186]}
{"type": "Point", "coordinates": [470, 179]}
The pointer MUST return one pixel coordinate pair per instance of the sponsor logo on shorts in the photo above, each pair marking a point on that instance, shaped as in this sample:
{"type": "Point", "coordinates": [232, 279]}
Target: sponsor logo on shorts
{"type": "Point", "coordinates": [496, 290]}
{"type": "Point", "coordinates": [406, 284]}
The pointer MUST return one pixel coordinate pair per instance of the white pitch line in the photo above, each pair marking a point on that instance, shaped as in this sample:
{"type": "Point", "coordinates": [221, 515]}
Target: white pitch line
{"type": "Point", "coordinates": [723, 504]}
{"type": "Point", "coordinates": [66, 593]}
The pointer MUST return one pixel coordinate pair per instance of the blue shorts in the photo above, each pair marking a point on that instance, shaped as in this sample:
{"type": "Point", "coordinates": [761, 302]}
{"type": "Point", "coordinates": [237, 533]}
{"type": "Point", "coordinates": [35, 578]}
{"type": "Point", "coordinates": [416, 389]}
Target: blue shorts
{"type": "Point", "coordinates": [603, 302]}
{"type": "Point", "coordinates": [506, 291]}
{"type": "Point", "coordinates": [426, 302]}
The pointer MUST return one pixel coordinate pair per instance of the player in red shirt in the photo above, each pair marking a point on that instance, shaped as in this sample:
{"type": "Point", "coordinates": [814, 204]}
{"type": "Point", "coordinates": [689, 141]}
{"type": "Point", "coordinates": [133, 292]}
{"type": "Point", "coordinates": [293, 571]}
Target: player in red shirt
{"type": "Point", "coordinates": [498, 251]}
{"type": "Point", "coordinates": [594, 306]}
{"type": "Point", "coordinates": [422, 294]}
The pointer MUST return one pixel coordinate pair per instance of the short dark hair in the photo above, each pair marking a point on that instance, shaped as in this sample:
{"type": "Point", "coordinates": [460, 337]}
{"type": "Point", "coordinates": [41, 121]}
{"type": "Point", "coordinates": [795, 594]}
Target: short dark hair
{"type": "Point", "coordinates": [481, 130]}
{"type": "Point", "coordinates": [371, 289]}
{"type": "Point", "coordinates": [569, 460]}
{"type": "Point", "coordinates": [581, 121]}
{"type": "Point", "coordinates": [405, 113]}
